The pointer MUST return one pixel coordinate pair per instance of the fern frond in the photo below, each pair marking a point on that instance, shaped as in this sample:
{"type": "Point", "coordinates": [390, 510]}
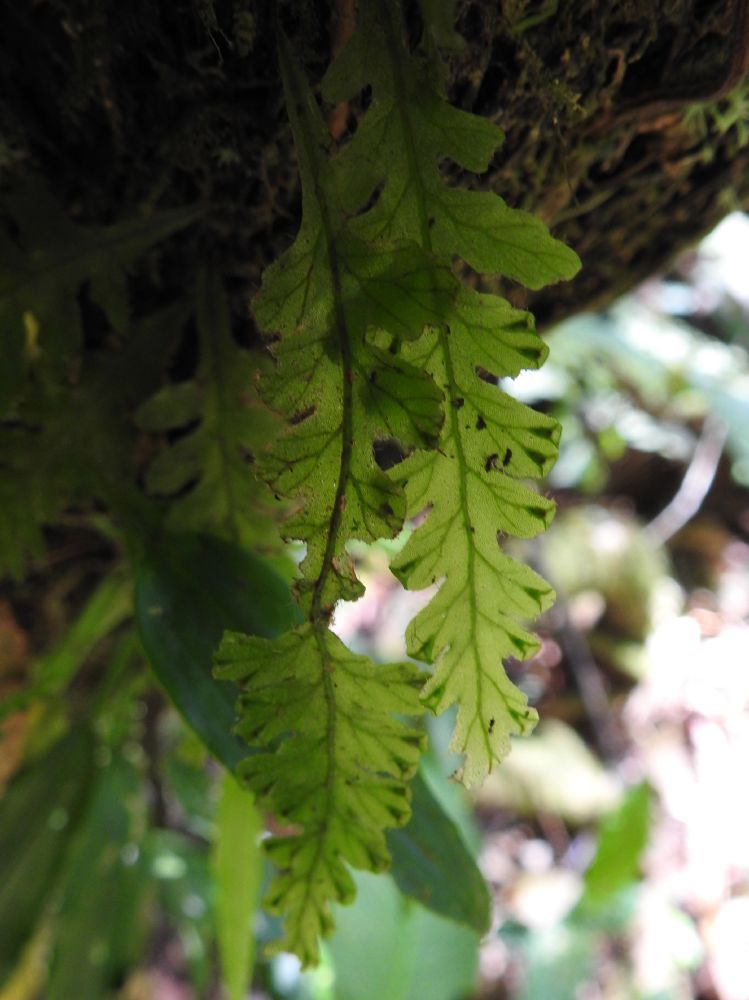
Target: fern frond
{"type": "Point", "coordinates": [409, 130]}
{"type": "Point", "coordinates": [326, 297]}
{"type": "Point", "coordinates": [41, 467]}
{"type": "Point", "coordinates": [334, 762]}
{"type": "Point", "coordinates": [338, 773]}
{"type": "Point", "coordinates": [224, 427]}
{"type": "Point", "coordinates": [344, 393]}
{"type": "Point", "coordinates": [474, 497]}
{"type": "Point", "coordinates": [369, 271]}
{"type": "Point", "coordinates": [42, 272]}
{"type": "Point", "coordinates": [469, 483]}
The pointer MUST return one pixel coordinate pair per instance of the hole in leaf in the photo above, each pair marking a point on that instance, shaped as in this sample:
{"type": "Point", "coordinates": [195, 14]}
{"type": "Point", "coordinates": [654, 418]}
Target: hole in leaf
{"type": "Point", "coordinates": [388, 453]}
{"type": "Point", "coordinates": [371, 201]}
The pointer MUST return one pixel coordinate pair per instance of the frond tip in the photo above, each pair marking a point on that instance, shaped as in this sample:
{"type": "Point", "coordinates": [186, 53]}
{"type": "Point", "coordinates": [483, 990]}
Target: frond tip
{"type": "Point", "coordinates": [333, 764]}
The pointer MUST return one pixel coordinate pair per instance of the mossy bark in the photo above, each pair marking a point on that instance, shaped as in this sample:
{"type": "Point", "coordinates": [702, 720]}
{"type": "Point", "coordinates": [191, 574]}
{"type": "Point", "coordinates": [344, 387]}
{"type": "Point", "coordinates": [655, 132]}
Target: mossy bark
{"type": "Point", "coordinates": [625, 121]}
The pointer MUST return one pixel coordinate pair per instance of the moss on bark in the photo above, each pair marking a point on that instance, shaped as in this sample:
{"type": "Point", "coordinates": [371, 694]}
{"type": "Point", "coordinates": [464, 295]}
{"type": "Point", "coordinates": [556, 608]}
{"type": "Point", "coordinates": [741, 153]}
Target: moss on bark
{"type": "Point", "coordinates": [625, 121]}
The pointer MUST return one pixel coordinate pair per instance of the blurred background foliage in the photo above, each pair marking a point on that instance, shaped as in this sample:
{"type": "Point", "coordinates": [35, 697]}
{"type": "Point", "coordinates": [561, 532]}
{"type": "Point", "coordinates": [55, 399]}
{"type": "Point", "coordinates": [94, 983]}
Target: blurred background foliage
{"type": "Point", "coordinates": [615, 840]}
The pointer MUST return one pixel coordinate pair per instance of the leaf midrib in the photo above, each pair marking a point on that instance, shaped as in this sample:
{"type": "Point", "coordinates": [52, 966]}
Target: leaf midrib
{"type": "Point", "coordinates": [318, 615]}
{"type": "Point", "coordinates": [463, 469]}
{"type": "Point", "coordinates": [393, 47]}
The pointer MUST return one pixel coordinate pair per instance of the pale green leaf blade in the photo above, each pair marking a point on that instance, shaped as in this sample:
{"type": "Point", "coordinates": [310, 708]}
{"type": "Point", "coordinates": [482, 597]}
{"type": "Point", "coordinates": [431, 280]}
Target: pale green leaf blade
{"type": "Point", "coordinates": [469, 485]}
{"type": "Point", "coordinates": [383, 950]}
{"type": "Point", "coordinates": [335, 764]}
{"type": "Point", "coordinates": [622, 839]}
{"type": "Point", "coordinates": [238, 871]}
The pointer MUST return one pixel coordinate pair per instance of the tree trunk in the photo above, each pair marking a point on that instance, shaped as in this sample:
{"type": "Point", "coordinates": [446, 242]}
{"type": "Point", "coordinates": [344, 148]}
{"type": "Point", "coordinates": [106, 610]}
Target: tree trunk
{"type": "Point", "coordinates": [624, 120]}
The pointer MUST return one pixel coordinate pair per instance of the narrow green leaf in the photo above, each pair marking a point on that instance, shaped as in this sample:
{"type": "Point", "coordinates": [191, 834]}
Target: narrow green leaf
{"type": "Point", "coordinates": [100, 926]}
{"type": "Point", "coordinates": [108, 607]}
{"type": "Point", "coordinates": [238, 870]}
{"type": "Point", "coordinates": [432, 864]}
{"type": "Point", "coordinates": [38, 814]}
{"type": "Point", "coordinates": [621, 842]}
{"type": "Point", "coordinates": [188, 588]}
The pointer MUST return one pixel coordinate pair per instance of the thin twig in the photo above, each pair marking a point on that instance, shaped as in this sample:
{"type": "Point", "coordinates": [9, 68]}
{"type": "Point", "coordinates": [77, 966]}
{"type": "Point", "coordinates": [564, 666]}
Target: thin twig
{"type": "Point", "coordinates": [343, 28]}
{"type": "Point", "coordinates": [588, 679]}
{"type": "Point", "coordinates": [586, 674]}
{"type": "Point", "coordinates": [694, 486]}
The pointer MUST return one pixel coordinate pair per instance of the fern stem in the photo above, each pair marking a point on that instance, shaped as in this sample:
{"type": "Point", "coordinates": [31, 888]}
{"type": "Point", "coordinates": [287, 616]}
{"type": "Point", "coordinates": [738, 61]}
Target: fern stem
{"type": "Point", "coordinates": [317, 611]}
{"type": "Point", "coordinates": [393, 43]}
{"type": "Point", "coordinates": [310, 152]}
{"type": "Point", "coordinates": [210, 290]}
{"type": "Point", "coordinates": [318, 614]}
{"type": "Point", "coordinates": [394, 47]}
{"type": "Point", "coordinates": [468, 527]}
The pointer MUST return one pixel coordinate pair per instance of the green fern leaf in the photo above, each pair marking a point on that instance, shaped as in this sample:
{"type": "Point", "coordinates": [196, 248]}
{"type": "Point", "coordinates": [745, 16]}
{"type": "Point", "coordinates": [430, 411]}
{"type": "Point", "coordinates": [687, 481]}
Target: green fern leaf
{"type": "Point", "coordinates": [41, 472]}
{"type": "Point", "coordinates": [408, 131]}
{"type": "Point", "coordinates": [469, 483]}
{"type": "Point", "coordinates": [41, 275]}
{"type": "Point", "coordinates": [344, 394]}
{"type": "Point", "coordinates": [209, 466]}
{"type": "Point", "coordinates": [338, 769]}
{"type": "Point", "coordinates": [326, 297]}
{"type": "Point", "coordinates": [333, 761]}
